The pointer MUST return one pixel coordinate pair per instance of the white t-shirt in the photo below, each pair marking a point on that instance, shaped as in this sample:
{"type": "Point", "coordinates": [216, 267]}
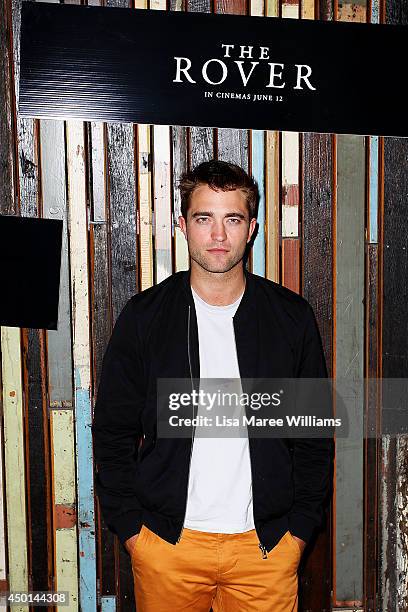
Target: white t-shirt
{"type": "Point", "coordinates": [220, 485]}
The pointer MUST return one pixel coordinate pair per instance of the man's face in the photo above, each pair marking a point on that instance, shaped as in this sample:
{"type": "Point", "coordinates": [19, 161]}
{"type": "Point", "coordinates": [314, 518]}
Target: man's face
{"type": "Point", "coordinates": [217, 228]}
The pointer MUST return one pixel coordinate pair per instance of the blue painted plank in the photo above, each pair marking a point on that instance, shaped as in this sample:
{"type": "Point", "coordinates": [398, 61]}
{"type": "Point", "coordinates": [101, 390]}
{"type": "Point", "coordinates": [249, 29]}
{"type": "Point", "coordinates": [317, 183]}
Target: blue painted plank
{"type": "Point", "coordinates": [86, 514]}
{"type": "Point", "coordinates": [373, 188]}
{"type": "Point", "coordinates": [258, 172]}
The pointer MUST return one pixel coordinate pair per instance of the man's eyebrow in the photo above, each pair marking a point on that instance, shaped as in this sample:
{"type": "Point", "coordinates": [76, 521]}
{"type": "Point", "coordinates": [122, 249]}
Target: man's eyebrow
{"type": "Point", "coordinates": [211, 214]}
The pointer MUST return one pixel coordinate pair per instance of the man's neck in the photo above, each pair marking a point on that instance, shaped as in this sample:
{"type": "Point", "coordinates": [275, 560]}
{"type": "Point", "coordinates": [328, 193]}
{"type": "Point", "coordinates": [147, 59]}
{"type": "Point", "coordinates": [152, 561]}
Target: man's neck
{"type": "Point", "coordinates": [218, 289]}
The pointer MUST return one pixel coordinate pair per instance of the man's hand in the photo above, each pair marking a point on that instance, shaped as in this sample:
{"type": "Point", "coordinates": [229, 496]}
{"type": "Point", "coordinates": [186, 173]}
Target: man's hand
{"type": "Point", "coordinates": [131, 542]}
{"type": "Point", "coordinates": [301, 543]}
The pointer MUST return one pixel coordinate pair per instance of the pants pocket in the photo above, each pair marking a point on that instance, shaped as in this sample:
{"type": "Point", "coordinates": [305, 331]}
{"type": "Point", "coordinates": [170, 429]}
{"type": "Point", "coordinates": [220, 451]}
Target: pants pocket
{"type": "Point", "coordinates": [138, 543]}
{"type": "Point", "coordinates": [293, 543]}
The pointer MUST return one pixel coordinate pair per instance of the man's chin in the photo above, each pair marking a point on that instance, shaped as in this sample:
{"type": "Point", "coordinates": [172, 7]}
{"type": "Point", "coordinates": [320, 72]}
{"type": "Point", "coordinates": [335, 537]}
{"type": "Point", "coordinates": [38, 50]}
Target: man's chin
{"type": "Point", "coordinates": [219, 268]}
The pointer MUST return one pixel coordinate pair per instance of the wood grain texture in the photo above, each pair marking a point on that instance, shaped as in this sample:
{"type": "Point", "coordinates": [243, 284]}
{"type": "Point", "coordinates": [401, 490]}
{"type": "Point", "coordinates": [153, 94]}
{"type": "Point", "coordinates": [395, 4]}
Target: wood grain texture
{"type": "Point", "coordinates": [258, 172]}
{"type": "Point", "coordinates": [179, 138]}
{"type": "Point", "coordinates": [145, 199]}
{"type": "Point", "coordinates": [349, 356]}
{"type": "Point", "coordinates": [351, 171]}
{"type": "Point", "coordinates": [8, 202]}
{"type": "Point", "coordinates": [4, 585]}
{"type": "Point", "coordinates": [272, 185]}
{"type": "Point", "coordinates": [317, 229]}
{"type": "Point", "coordinates": [373, 431]}
{"type": "Point", "coordinates": [317, 287]}
{"type": "Point", "coordinates": [290, 263]}
{"type": "Point", "coordinates": [272, 205]}
{"type": "Point", "coordinates": [201, 145]}
{"type": "Point", "coordinates": [64, 500]}
{"type": "Point", "coordinates": [162, 202]}
{"type": "Point", "coordinates": [14, 461]}
{"type": "Point", "coordinates": [54, 205]}
{"type": "Point", "coordinates": [78, 228]}
{"type": "Point", "coordinates": [374, 146]}
{"type": "Point", "coordinates": [122, 210]}
{"type": "Point", "coordinates": [290, 184]}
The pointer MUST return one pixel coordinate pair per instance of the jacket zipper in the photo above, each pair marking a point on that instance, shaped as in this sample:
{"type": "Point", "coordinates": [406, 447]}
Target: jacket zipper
{"type": "Point", "coordinates": [192, 436]}
{"type": "Point", "coordinates": [260, 545]}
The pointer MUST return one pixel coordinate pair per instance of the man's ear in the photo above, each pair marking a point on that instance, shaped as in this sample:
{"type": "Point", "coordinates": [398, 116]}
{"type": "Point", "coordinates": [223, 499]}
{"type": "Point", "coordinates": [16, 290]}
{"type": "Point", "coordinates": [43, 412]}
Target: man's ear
{"type": "Point", "coordinates": [252, 226]}
{"type": "Point", "coordinates": [183, 225]}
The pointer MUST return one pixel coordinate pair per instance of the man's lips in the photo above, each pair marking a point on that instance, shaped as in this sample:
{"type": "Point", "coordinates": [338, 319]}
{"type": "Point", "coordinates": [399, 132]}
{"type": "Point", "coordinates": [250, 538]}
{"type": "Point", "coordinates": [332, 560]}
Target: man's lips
{"type": "Point", "coordinates": [217, 250]}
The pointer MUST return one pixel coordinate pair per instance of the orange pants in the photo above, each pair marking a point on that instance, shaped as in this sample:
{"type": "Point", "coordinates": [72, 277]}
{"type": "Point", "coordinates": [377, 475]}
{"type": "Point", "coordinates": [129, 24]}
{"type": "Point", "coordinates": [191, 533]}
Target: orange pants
{"type": "Point", "coordinates": [225, 571]}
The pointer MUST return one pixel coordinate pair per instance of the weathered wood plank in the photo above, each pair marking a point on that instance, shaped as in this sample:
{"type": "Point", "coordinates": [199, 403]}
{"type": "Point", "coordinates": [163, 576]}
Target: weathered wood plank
{"type": "Point", "coordinates": [272, 181]}
{"type": "Point", "coordinates": [349, 356]}
{"type": "Point", "coordinates": [291, 263]}
{"type": "Point", "coordinates": [78, 230]}
{"type": "Point", "coordinates": [123, 211]}
{"type": "Point", "coordinates": [290, 184]}
{"type": "Point", "coordinates": [272, 185]}
{"type": "Point", "coordinates": [8, 201]}
{"type": "Point", "coordinates": [257, 143]}
{"type": "Point", "coordinates": [372, 426]}
{"type": "Point", "coordinates": [201, 145]}
{"type": "Point", "coordinates": [179, 136]}
{"type": "Point", "coordinates": [14, 460]}
{"type": "Point", "coordinates": [53, 184]}
{"type": "Point", "coordinates": [4, 584]}
{"type": "Point", "coordinates": [145, 206]}
{"type": "Point", "coordinates": [258, 172]}
{"type": "Point", "coordinates": [374, 148]}
{"type": "Point", "coordinates": [162, 202]}
{"type": "Point", "coordinates": [64, 504]}
{"type": "Point", "coordinates": [317, 224]}
{"type": "Point", "coordinates": [317, 288]}
{"type": "Point", "coordinates": [350, 350]}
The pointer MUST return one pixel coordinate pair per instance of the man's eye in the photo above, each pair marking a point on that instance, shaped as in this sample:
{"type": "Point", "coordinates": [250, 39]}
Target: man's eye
{"type": "Point", "coordinates": [235, 221]}
{"type": "Point", "coordinates": [201, 219]}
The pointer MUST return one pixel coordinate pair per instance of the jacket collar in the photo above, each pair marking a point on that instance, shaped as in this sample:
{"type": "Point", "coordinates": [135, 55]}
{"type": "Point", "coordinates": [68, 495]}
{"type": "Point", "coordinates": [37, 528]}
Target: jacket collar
{"type": "Point", "coordinates": [247, 297]}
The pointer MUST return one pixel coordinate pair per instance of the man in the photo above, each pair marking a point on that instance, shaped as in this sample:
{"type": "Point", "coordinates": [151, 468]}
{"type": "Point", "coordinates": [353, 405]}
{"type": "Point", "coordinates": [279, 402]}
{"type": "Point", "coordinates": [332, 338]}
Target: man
{"type": "Point", "coordinates": [218, 522]}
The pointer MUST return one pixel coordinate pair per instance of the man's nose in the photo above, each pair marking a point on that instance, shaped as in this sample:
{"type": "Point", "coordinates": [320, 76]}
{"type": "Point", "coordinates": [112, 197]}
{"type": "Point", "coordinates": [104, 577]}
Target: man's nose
{"type": "Point", "coordinates": [218, 231]}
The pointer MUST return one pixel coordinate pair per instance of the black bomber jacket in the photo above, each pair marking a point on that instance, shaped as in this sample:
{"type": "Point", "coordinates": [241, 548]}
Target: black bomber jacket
{"type": "Point", "coordinates": [142, 478]}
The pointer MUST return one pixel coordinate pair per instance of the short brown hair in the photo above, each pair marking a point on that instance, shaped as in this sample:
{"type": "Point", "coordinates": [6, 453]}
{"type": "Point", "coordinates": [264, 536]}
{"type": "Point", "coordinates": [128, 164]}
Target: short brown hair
{"type": "Point", "coordinates": [219, 175]}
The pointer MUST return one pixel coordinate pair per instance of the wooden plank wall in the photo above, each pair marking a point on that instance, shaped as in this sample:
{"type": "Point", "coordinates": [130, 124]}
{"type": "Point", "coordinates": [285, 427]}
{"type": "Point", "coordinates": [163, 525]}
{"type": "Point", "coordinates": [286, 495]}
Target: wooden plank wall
{"type": "Point", "coordinates": [332, 225]}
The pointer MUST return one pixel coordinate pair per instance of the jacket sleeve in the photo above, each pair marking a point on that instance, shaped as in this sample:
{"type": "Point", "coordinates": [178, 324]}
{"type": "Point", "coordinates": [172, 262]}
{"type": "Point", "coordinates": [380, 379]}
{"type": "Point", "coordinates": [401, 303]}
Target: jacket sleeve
{"type": "Point", "coordinates": [312, 457]}
{"type": "Point", "coordinates": [116, 428]}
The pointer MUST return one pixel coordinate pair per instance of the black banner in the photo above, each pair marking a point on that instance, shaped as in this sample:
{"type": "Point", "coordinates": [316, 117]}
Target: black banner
{"type": "Point", "coordinates": [177, 68]}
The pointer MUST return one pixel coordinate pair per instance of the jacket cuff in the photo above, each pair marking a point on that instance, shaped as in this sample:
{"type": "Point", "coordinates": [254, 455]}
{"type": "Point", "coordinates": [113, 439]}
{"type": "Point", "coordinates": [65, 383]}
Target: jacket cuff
{"type": "Point", "coordinates": [127, 525]}
{"type": "Point", "coordinates": [301, 526]}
